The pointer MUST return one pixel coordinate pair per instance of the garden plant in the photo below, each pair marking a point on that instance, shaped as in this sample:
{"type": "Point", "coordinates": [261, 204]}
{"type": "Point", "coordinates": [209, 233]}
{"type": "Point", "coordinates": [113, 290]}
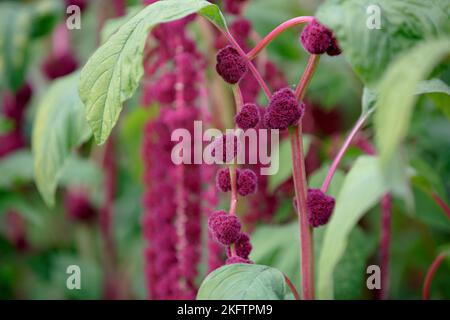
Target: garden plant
{"type": "Point", "coordinates": [235, 149]}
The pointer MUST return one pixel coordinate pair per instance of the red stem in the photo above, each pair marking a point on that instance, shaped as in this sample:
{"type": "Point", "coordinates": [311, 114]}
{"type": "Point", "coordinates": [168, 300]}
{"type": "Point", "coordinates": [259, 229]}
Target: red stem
{"type": "Point", "coordinates": [441, 204]}
{"type": "Point", "coordinates": [306, 244]}
{"type": "Point", "coordinates": [313, 61]}
{"type": "Point", "coordinates": [275, 32]}
{"type": "Point", "coordinates": [430, 274]}
{"type": "Point", "coordinates": [386, 211]}
{"type": "Point", "coordinates": [292, 287]}
{"type": "Point", "coordinates": [339, 156]}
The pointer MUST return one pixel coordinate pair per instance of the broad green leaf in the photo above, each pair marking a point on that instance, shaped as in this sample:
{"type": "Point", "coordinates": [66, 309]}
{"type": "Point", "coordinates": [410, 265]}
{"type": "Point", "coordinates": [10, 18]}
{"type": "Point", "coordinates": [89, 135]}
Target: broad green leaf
{"type": "Point", "coordinates": [112, 25]}
{"type": "Point", "coordinates": [16, 168]}
{"type": "Point", "coordinates": [283, 156]}
{"type": "Point", "coordinates": [112, 74]}
{"type": "Point", "coordinates": [244, 282]}
{"type": "Point", "coordinates": [396, 94]}
{"type": "Point", "coordinates": [59, 127]}
{"type": "Point", "coordinates": [83, 173]}
{"type": "Point", "coordinates": [15, 29]}
{"type": "Point", "coordinates": [404, 23]}
{"type": "Point", "coordinates": [362, 188]}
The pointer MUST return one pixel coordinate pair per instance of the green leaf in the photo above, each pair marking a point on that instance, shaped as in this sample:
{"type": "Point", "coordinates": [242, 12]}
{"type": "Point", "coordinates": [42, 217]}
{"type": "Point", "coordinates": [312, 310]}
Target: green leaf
{"type": "Point", "coordinates": [283, 156]}
{"type": "Point", "coordinates": [112, 74]}
{"type": "Point", "coordinates": [59, 127]}
{"type": "Point", "coordinates": [5, 124]}
{"type": "Point", "coordinates": [16, 168]}
{"type": "Point", "coordinates": [15, 29]}
{"type": "Point", "coordinates": [396, 94]}
{"type": "Point", "coordinates": [361, 190]}
{"type": "Point", "coordinates": [404, 23]}
{"type": "Point", "coordinates": [82, 173]}
{"type": "Point", "coordinates": [244, 282]}
{"type": "Point", "coordinates": [112, 25]}
{"type": "Point", "coordinates": [45, 15]}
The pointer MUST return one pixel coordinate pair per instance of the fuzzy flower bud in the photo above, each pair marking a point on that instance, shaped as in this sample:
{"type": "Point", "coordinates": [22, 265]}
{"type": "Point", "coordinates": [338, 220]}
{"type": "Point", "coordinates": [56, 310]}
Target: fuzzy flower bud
{"type": "Point", "coordinates": [236, 259]}
{"type": "Point", "coordinates": [246, 182]}
{"type": "Point", "coordinates": [225, 228]}
{"type": "Point", "coordinates": [223, 181]}
{"type": "Point", "coordinates": [248, 117]}
{"type": "Point", "coordinates": [283, 110]}
{"type": "Point", "coordinates": [320, 207]}
{"type": "Point", "coordinates": [316, 38]}
{"type": "Point", "coordinates": [230, 65]}
{"type": "Point", "coordinates": [334, 49]}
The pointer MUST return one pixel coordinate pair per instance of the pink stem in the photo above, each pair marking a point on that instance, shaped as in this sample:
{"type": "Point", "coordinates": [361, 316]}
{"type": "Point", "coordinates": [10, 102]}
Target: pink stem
{"type": "Point", "coordinates": [441, 204]}
{"type": "Point", "coordinates": [386, 211]}
{"type": "Point", "coordinates": [61, 40]}
{"type": "Point", "coordinates": [341, 153]}
{"type": "Point", "coordinates": [300, 91]}
{"type": "Point", "coordinates": [306, 244]}
{"type": "Point", "coordinates": [275, 32]}
{"type": "Point", "coordinates": [430, 274]}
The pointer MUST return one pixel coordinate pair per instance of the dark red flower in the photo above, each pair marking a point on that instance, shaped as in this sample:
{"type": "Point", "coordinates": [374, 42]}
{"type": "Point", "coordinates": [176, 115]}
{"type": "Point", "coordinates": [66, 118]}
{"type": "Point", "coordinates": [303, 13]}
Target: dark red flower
{"type": "Point", "coordinates": [230, 65]}
{"type": "Point", "coordinates": [283, 110]}
{"type": "Point", "coordinates": [316, 38]}
{"type": "Point", "coordinates": [246, 182]}
{"type": "Point", "coordinates": [223, 181]}
{"type": "Point", "coordinates": [56, 66]}
{"type": "Point", "coordinates": [248, 116]}
{"type": "Point", "coordinates": [242, 246]}
{"type": "Point", "coordinates": [320, 207]}
{"type": "Point", "coordinates": [78, 206]}
{"type": "Point", "coordinates": [225, 228]}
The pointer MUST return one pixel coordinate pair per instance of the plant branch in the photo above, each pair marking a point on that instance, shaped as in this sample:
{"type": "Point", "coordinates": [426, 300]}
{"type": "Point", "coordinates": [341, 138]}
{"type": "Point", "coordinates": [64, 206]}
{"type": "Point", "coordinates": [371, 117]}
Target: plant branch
{"type": "Point", "coordinates": [275, 32]}
{"type": "Point", "coordinates": [292, 287]}
{"type": "Point", "coordinates": [441, 204]}
{"type": "Point", "coordinates": [313, 61]}
{"type": "Point", "coordinates": [340, 155]}
{"type": "Point", "coordinates": [430, 274]}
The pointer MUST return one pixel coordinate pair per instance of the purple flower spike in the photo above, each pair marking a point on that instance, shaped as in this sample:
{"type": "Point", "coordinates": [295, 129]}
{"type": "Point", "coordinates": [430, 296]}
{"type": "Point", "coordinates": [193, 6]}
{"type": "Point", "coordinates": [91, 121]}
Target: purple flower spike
{"type": "Point", "coordinates": [248, 117]}
{"type": "Point", "coordinates": [320, 207]}
{"type": "Point", "coordinates": [246, 182]}
{"type": "Point", "coordinates": [230, 65]}
{"type": "Point", "coordinates": [225, 228]}
{"type": "Point", "coordinates": [283, 110]}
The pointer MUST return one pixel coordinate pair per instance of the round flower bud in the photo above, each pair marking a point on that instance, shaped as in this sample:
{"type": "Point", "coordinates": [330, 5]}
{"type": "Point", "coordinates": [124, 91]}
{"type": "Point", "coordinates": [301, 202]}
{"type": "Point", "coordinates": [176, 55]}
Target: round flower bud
{"type": "Point", "coordinates": [227, 146]}
{"type": "Point", "coordinates": [236, 259]}
{"type": "Point", "coordinates": [225, 228]}
{"type": "Point", "coordinates": [223, 180]}
{"type": "Point", "coordinates": [248, 116]}
{"type": "Point", "coordinates": [283, 110]}
{"type": "Point", "coordinates": [320, 207]}
{"type": "Point", "coordinates": [316, 38]}
{"type": "Point", "coordinates": [246, 182]}
{"type": "Point", "coordinates": [230, 65]}
{"type": "Point", "coordinates": [242, 246]}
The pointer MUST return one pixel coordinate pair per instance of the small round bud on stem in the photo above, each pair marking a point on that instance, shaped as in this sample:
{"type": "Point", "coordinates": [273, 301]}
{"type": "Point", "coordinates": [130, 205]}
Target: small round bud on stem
{"type": "Point", "coordinates": [230, 65]}
{"type": "Point", "coordinates": [248, 117]}
{"type": "Point", "coordinates": [320, 207]}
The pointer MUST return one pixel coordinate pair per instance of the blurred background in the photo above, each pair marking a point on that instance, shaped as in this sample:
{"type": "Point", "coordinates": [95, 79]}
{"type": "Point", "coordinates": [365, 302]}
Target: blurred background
{"type": "Point", "coordinates": [97, 220]}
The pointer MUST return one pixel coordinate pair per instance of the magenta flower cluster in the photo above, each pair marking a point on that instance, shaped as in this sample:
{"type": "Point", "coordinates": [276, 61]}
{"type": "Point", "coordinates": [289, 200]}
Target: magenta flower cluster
{"type": "Point", "coordinates": [78, 206]}
{"type": "Point", "coordinates": [246, 181]}
{"type": "Point", "coordinates": [230, 65]}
